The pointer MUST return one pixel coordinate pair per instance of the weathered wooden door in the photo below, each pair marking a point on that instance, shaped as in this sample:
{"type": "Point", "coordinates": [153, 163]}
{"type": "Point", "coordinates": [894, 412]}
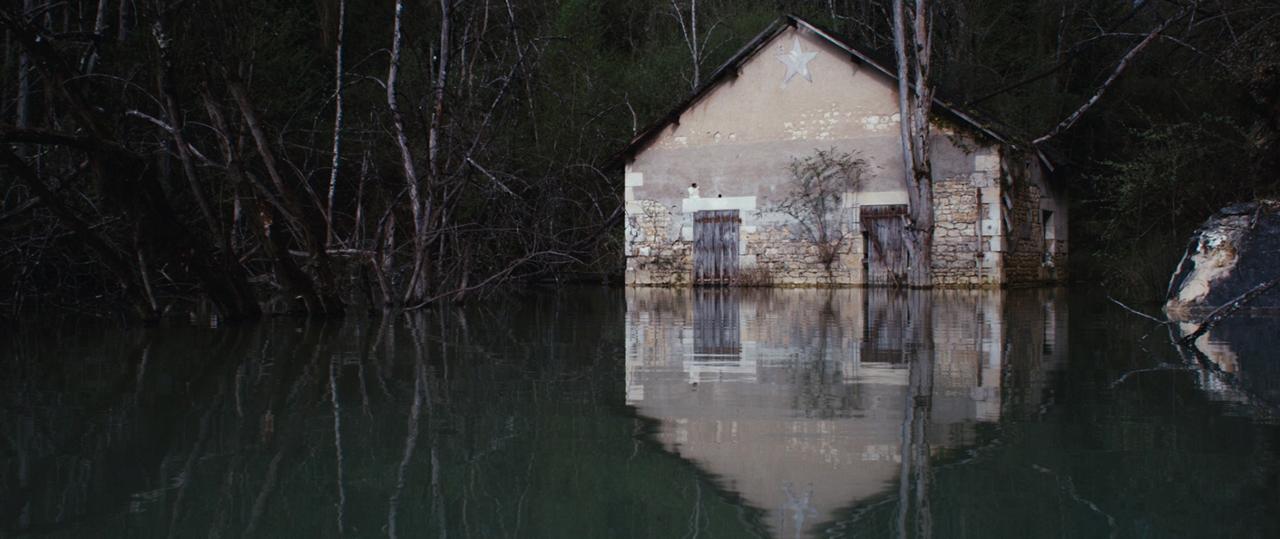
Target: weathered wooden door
{"type": "Point", "coordinates": [884, 245]}
{"type": "Point", "coordinates": [715, 247]}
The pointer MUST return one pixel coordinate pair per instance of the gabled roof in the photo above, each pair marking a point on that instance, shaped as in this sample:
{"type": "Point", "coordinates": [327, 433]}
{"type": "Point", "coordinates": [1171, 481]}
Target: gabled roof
{"type": "Point", "coordinates": [731, 66]}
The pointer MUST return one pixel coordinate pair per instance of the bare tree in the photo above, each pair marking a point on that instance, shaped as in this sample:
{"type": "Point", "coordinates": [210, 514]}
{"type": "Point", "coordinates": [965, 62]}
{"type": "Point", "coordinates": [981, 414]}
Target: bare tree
{"type": "Point", "coordinates": [416, 288]}
{"type": "Point", "coordinates": [1125, 62]}
{"type": "Point", "coordinates": [689, 30]}
{"type": "Point", "coordinates": [337, 122]}
{"type": "Point", "coordinates": [422, 271]}
{"type": "Point", "coordinates": [912, 46]}
{"type": "Point", "coordinates": [23, 113]}
{"type": "Point", "coordinates": [122, 27]}
{"type": "Point", "coordinates": [218, 197]}
{"type": "Point", "coordinates": [99, 35]}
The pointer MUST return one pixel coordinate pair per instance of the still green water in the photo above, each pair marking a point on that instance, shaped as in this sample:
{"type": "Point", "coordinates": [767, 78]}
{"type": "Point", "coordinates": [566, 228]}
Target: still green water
{"type": "Point", "coordinates": [649, 413]}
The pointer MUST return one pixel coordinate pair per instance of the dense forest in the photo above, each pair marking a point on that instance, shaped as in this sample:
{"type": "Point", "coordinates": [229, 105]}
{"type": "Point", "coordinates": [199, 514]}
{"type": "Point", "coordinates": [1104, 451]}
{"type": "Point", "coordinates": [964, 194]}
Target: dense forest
{"type": "Point", "coordinates": [175, 156]}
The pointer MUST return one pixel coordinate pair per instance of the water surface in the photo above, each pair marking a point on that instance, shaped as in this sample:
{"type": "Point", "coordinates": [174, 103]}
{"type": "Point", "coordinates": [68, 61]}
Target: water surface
{"type": "Point", "coordinates": [649, 413]}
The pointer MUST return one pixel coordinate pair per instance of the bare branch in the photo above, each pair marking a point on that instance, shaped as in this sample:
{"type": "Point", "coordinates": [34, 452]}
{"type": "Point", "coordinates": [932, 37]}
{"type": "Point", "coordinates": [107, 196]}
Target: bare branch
{"type": "Point", "coordinates": [1125, 61]}
{"type": "Point", "coordinates": [1227, 309]}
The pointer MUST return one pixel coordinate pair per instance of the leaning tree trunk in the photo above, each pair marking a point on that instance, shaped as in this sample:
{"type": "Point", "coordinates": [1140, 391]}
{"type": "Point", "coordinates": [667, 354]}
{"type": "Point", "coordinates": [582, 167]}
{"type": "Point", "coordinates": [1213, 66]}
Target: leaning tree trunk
{"type": "Point", "coordinates": [264, 213]}
{"type": "Point", "coordinates": [310, 232]}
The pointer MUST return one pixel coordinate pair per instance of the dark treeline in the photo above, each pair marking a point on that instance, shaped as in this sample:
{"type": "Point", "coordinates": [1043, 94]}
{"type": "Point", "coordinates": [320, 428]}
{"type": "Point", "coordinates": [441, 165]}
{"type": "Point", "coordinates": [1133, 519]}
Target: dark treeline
{"type": "Point", "coordinates": [309, 156]}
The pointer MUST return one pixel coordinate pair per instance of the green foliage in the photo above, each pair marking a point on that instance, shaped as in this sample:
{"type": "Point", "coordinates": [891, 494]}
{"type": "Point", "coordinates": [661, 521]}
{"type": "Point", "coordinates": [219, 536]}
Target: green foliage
{"type": "Point", "coordinates": [1145, 205]}
{"type": "Point", "coordinates": [1182, 132]}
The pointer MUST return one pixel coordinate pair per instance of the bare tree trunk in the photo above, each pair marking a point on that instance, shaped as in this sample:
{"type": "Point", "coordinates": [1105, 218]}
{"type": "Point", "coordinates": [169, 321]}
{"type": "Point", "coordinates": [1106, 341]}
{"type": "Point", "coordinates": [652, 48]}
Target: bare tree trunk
{"type": "Point", "coordinates": [99, 34]}
{"type": "Point", "coordinates": [23, 118]}
{"type": "Point", "coordinates": [122, 28]}
{"type": "Point", "coordinates": [264, 213]}
{"type": "Point", "coordinates": [416, 288]}
{"type": "Point", "coordinates": [437, 98]}
{"type": "Point", "coordinates": [433, 137]}
{"type": "Point", "coordinates": [915, 99]}
{"type": "Point", "coordinates": [337, 123]}
{"type": "Point", "coordinates": [357, 230]}
{"type": "Point", "coordinates": [697, 49]}
{"type": "Point", "coordinates": [292, 208]}
{"type": "Point", "coordinates": [693, 43]}
{"type": "Point", "coordinates": [386, 260]}
{"type": "Point", "coordinates": [307, 229]}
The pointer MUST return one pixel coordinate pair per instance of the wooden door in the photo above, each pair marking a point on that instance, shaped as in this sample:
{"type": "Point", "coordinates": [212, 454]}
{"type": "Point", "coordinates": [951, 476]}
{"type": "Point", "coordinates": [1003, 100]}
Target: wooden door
{"type": "Point", "coordinates": [884, 244]}
{"type": "Point", "coordinates": [715, 247]}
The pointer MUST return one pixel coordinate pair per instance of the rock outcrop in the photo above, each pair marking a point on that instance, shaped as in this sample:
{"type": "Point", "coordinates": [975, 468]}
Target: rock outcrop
{"type": "Point", "coordinates": [1234, 251]}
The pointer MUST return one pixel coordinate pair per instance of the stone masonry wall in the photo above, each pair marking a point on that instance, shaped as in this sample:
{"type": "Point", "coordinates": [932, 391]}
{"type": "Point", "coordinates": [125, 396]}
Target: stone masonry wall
{"type": "Point", "coordinates": [660, 253]}
{"type": "Point", "coordinates": [990, 231]}
{"type": "Point", "coordinates": [775, 254]}
{"type": "Point", "coordinates": [1025, 256]}
{"type": "Point", "coordinates": [653, 257]}
{"type": "Point", "coordinates": [967, 239]}
{"type": "Point", "coordinates": [956, 242]}
{"type": "Point", "coordinates": [979, 240]}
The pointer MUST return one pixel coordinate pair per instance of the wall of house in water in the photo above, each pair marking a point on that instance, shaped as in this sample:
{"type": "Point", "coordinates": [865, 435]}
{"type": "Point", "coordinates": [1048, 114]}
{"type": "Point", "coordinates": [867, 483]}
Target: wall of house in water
{"type": "Point", "coordinates": [797, 399]}
{"type": "Point", "coordinates": [737, 142]}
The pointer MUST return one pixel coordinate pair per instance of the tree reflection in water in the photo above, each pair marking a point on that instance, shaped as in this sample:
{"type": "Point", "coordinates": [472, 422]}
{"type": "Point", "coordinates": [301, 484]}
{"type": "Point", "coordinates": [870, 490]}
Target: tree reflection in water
{"type": "Point", "coordinates": [829, 399]}
{"type": "Point", "coordinates": [644, 413]}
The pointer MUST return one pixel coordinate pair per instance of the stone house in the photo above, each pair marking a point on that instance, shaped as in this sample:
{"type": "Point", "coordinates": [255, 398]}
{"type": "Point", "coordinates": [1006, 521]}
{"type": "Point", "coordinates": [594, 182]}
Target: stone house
{"type": "Point", "coordinates": [703, 184]}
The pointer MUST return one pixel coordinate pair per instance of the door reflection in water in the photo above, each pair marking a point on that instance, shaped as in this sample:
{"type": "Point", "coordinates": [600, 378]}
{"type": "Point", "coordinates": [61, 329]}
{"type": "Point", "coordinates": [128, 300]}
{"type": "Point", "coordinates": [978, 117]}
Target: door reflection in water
{"type": "Point", "coordinates": [802, 401]}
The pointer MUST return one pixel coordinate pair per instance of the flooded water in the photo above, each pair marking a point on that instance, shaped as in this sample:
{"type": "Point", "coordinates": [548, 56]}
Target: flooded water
{"type": "Point", "coordinates": [649, 413]}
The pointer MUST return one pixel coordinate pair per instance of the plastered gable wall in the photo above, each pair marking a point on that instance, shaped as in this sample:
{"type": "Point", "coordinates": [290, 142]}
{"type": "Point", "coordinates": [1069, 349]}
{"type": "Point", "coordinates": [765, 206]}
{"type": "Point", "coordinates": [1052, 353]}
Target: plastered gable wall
{"type": "Point", "coordinates": [737, 141]}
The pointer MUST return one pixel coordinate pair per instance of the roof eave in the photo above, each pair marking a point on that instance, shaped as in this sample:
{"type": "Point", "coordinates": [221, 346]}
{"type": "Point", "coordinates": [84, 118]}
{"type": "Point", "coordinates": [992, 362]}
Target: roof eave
{"type": "Point", "coordinates": [729, 67]}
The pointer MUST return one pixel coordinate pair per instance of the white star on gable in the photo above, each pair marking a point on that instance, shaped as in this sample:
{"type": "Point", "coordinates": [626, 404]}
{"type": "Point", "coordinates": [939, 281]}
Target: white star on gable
{"type": "Point", "coordinates": [797, 62]}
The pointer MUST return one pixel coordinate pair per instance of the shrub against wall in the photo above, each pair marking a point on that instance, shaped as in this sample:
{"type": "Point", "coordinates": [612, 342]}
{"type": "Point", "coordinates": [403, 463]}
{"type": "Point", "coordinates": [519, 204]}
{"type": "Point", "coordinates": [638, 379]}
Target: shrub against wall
{"type": "Point", "coordinates": [815, 198]}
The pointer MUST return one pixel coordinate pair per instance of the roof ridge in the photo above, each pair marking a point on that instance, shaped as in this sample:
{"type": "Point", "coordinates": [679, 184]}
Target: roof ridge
{"type": "Point", "coordinates": [975, 120]}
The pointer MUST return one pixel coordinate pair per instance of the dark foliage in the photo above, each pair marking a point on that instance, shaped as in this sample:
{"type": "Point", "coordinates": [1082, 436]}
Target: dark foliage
{"type": "Point", "coordinates": [174, 156]}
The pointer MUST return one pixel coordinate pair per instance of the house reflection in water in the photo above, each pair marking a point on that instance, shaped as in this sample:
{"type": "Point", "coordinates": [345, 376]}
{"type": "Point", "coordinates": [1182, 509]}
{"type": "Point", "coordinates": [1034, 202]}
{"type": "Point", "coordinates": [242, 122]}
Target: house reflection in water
{"type": "Point", "coordinates": [799, 400]}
